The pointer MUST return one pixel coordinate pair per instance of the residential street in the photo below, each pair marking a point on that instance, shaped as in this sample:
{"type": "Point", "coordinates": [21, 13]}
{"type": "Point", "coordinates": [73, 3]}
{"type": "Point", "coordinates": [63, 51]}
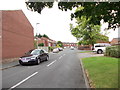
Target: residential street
{"type": "Point", "coordinates": [63, 70]}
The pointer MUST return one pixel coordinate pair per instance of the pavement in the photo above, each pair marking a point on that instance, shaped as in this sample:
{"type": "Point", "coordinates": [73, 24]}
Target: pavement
{"type": "Point", "coordinates": [63, 70]}
{"type": "Point", "coordinates": [9, 65]}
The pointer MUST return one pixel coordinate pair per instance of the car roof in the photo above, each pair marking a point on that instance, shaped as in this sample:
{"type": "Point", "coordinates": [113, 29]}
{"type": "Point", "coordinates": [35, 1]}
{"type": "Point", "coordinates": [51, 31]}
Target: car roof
{"type": "Point", "coordinates": [37, 49]}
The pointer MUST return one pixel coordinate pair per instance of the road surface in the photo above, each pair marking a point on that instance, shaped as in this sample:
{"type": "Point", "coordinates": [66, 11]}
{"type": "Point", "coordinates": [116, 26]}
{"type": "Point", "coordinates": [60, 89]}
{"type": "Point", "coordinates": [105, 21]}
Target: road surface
{"type": "Point", "coordinates": [62, 70]}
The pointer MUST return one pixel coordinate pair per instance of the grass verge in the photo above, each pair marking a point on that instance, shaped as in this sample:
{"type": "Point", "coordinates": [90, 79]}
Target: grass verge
{"type": "Point", "coordinates": [103, 71]}
{"type": "Point", "coordinates": [85, 51]}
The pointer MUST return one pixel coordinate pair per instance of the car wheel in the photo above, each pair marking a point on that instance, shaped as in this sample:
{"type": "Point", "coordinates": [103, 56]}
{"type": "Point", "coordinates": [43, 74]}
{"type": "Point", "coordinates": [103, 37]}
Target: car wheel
{"type": "Point", "coordinates": [20, 63]}
{"type": "Point", "coordinates": [47, 58]}
{"type": "Point", "coordinates": [38, 61]}
{"type": "Point", "coordinates": [99, 52]}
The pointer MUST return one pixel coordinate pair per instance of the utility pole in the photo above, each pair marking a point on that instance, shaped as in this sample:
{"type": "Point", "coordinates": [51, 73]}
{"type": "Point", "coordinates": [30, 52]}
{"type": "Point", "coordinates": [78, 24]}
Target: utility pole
{"type": "Point", "coordinates": [36, 34]}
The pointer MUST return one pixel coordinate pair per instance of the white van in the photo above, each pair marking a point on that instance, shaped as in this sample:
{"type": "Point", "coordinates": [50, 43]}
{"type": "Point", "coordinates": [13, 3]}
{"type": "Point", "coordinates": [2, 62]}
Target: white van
{"type": "Point", "coordinates": [100, 47]}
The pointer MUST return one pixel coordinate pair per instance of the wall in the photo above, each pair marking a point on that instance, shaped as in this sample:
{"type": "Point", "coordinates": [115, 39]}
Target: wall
{"type": "Point", "coordinates": [0, 36]}
{"type": "Point", "coordinates": [17, 33]}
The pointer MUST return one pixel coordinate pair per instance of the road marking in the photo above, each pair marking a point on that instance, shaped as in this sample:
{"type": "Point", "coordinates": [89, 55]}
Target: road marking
{"type": "Point", "coordinates": [60, 57]}
{"type": "Point", "coordinates": [23, 81]}
{"type": "Point", "coordinates": [51, 63]}
{"type": "Point", "coordinates": [64, 54]}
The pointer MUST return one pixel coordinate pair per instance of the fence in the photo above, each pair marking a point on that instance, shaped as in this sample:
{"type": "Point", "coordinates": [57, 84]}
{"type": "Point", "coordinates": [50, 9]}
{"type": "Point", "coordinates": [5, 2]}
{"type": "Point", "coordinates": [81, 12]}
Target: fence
{"type": "Point", "coordinates": [85, 47]}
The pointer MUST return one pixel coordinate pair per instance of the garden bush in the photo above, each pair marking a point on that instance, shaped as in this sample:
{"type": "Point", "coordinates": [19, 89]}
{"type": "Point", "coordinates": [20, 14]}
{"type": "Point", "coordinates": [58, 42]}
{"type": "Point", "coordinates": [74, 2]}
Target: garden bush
{"type": "Point", "coordinates": [41, 44]}
{"type": "Point", "coordinates": [113, 51]}
{"type": "Point", "coordinates": [50, 48]}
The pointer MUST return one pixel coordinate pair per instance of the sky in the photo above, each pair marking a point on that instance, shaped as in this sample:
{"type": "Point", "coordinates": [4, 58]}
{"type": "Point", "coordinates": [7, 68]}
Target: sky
{"type": "Point", "coordinates": [52, 22]}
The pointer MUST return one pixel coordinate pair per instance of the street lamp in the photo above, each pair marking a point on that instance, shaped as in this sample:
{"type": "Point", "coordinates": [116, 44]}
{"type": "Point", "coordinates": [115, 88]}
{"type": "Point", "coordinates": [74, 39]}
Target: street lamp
{"type": "Point", "coordinates": [36, 34]}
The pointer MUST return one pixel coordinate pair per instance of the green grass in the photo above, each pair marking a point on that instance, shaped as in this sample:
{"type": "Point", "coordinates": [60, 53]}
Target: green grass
{"type": "Point", "coordinates": [85, 51]}
{"type": "Point", "coordinates": [103, 71]}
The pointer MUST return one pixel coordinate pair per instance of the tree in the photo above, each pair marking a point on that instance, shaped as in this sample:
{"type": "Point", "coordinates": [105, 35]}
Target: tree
{"type": "Point", "coordinates": [39, 35]}
{"type": "Point", "coordinates": [44, 35]}
{"type": "Point", "coordinates": [60, 44]}
{"type": "Point", "coordinates": [41, 44]}
{"type": "Point", "coordinates": [87, 33]}
{"type": "Point", "coordinates": [109, 11]}
{"type": "Point", "coordinates": [35, 44]}
{"type": "Point", "coordinates": [38, 6]}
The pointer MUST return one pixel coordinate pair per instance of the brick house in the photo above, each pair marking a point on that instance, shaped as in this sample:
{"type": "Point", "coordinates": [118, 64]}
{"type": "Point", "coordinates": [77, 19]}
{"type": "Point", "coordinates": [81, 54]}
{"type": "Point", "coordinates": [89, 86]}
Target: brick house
{"type": "Point", "coordinates": [47, 42]}
{"type": "Point", "coordinates": [90, 47]}
{"type": "Point", "coordinates": [68, 44]}
{"type": "Point", "coordinates": [85, 47]}
{"type": "Point", "coordinates": [17, 34]}
{"type": "Point", "coordinates": [0, 36]}
{"type": "Point", "coordinates": [115, 41]}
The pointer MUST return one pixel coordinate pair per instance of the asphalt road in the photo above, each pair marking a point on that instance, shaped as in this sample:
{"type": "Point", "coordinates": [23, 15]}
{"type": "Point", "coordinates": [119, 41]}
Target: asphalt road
{"type": "Point", "coordinates": [62, 70]}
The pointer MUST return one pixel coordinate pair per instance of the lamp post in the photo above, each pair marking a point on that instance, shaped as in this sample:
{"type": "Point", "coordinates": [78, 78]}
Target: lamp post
{"type": "Point", "coordinates": [36, 34]}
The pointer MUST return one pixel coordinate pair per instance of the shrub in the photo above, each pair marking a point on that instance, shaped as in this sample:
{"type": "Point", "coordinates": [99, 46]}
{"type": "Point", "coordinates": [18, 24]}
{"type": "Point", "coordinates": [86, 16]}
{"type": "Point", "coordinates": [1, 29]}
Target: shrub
{"type": "Point", "coordinates": [50, 48]}
{"type": "Point", "coordinates": [41, 44]}
{"type": "Point", "coordinates": [113, 51]}
{"type": "Point", "coordinates": [35, 44]}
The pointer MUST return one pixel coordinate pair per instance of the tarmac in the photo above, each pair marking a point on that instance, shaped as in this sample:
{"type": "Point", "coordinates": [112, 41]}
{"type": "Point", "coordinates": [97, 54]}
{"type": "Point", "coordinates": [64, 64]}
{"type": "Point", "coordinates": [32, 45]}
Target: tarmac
{"type": "Point", "coordinates": [16, 62]}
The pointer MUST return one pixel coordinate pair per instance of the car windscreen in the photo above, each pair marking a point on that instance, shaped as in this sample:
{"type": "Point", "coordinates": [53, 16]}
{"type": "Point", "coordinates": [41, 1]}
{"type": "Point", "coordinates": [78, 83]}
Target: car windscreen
{"type": "Point", "coordinates": [100, 46]}
{"type": "Point", "coordinates": [35, 52]}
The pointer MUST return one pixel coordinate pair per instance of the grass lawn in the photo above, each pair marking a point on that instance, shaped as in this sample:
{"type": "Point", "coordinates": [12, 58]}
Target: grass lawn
{"type": "Point", "coordinates": [103, 71]}
{"type": "Point", "coordinates": [85, 51]}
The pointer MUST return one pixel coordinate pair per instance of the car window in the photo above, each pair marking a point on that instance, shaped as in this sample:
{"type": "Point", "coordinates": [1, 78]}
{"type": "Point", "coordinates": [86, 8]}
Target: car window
{"type": "Point", "coordinates": [41, 51]}
{"type": "Point", "coordinates": [35, 52]}
{"type": "Point", "coordinates": [100, 46]}
{"type": "Point", "coordinates": [29, 52]}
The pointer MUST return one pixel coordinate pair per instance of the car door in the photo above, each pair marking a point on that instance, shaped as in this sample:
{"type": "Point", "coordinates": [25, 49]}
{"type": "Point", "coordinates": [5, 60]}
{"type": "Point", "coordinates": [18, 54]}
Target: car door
{"type": "Point", "coordinates": [41, 55]}
{"type": "Point", "coordinates": [44, 54]}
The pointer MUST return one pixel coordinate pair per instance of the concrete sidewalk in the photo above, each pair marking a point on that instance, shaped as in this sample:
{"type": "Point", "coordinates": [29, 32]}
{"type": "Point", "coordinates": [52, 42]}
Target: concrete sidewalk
{"type": "Point", "coordinates": [9, 65]}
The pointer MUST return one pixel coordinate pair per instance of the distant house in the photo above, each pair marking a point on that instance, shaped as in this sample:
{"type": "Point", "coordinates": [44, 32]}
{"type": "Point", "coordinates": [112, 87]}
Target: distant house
{"type": "Point", "coordinates": [85, 47]}
{"type": "Point", "coordinates": [101, 41]}
{"type": "Point", "coordinates": [17, 34]}
{"type": "Point", "coordinates": [47, 41]}
{"type": "Point", "coordinates": [115, 41]}
{"type": "Point", "coordinates": [68, 44]}
{"type": "Point", "coordinates": [90, 47]}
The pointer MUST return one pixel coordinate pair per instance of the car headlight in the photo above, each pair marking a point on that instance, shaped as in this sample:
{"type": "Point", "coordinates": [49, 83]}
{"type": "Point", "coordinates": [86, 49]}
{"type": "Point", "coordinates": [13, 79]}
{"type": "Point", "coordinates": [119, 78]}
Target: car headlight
{"type": "Point", "coordinates": [33, 58]}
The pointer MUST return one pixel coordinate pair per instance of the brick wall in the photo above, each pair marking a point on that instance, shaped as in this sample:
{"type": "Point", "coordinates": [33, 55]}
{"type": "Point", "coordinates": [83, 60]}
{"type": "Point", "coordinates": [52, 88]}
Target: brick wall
{"type": "Point", "coordinates": [17, 34]}
{"type": "Point", "coordinates": [0, 36]}
{"type": "Point", "coordinates": [69, 44]}
{"type": "Point", "coordinates": [115, 41]}
{"type": "Point", "coordinates": [85, 47]}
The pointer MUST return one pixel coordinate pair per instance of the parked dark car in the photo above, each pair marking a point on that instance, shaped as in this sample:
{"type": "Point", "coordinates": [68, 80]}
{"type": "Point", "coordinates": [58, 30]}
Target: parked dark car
{"type": "Point", "coordinates": [35, 56]}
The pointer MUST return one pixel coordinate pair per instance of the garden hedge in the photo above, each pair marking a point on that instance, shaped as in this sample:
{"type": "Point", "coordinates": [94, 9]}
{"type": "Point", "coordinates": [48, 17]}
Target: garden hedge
{"type": "Point", "coordinates": [113, 51]}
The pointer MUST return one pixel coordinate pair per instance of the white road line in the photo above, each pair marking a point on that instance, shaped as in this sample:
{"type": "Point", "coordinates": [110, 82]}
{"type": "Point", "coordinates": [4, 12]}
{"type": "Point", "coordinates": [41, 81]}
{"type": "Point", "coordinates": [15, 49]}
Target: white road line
{"type": "Point", "coordinates": [23, 81]}
{"type": "Point", "coordinates": [60, 57]}
{"type": "Point", "coordinates": [64, 54]}
{"type": "Point", "coordinates": [51, 63]}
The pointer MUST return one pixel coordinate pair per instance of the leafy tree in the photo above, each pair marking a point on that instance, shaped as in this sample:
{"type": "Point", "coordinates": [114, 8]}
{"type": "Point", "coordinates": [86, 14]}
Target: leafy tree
{"type": "Point", "coordinates": [109, 11]}
{"type": "Point", "coordinates": [41, 44]}
{"type": "Point", "coordinates": [44, 35]}
{"type": "Point", "coordinates": [39, 35]}
{"type": "Point", "coordinates": [38, 6]}
{"type": "Point", "coordinates": [87, 33]}
{"type": "Point", "coordinates": [35, 44]}
{"type": "Point", "coordinates": [60, 44]}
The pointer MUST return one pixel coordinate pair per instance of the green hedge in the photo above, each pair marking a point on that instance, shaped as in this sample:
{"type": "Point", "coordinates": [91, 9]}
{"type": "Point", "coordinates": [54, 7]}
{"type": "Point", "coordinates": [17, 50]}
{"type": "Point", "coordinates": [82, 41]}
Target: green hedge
{"type": "Point", "coordinates": [41, 44]}
{"type": "Point", "coordinates": [50, 48]}
{"type": "Point", "coordinates": [113, 51]}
